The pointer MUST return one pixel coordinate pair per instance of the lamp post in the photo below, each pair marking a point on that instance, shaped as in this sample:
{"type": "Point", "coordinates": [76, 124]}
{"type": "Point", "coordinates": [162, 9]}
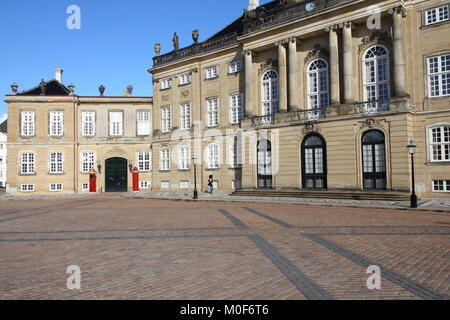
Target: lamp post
{"type": "Point", "coordinates": [412, 150]}
{"type": "Point", "coordinates": [195, 178]}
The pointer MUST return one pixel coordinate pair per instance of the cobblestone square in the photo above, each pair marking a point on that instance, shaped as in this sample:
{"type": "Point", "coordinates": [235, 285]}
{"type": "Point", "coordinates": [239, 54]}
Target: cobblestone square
{"type": "Point", "coordinates": [128, 248]}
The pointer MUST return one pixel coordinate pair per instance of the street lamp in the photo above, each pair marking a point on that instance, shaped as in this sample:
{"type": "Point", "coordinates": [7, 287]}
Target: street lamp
{"type": "Point", "coordinates": [412, 150]}
{"type": "Point", "coordinates": [195, 178]}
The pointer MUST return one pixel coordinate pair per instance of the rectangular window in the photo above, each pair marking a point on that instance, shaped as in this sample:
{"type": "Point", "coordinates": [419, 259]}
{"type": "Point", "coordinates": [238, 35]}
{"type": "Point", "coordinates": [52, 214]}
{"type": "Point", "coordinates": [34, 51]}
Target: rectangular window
{"type": "Point", "coordinates": [143, 123]}
{"type": "Point", "coordinates": [88, 124]}
{"type": "Point", "coordinates": [212, 110]}
{"type": "Point", "coordinates": [439, 76]}
{"type": "Point", "coordinates": [184, 184]}
{"type": "Point", "coordinates": [87, 161]}
{"type": "Point", "coordinates": [56, 162]}
{"type": "Point", "coordinates": [441, 185]}
{"type": "Point", "coordinates": [56, 187]}
{"type": "Point", "coordinates": [165, 185]}
{"type": "Point", "coordinates": [144, 161]}
{"type": "Point", "coordinates": [165, 159]}
{"type": "Point", "coordinates": [27, 187]}
{"type": "Point", "coordinates": [166, 83]}
{"type": "Point", "coordinates": [56, 123]}
{"type": "Point", "coordinates": [115, 123]}
{"type": "Point", "coordinates": [235, 155]}
{"type": "Point", "coordinates": [213, 156]}
{"type": "Point", "coordinates": [85, 186]}
{"type": "Point", "coordinates": [144, 184]}
{"type": "Point", "coordinates": [166, 124]}
{"type": "Point", "coordinates": [439, 143]}
{"type": "Point", "coordinates": [27, 163]}
{"type": "Point", "coordinates": [436, 15]}
{"type": "Point", "coordinates": [185, 116]}
{"type": "Point", "coordinates": [27, 125]}
{"type": "Point", "coordinates": [185, 78]}
{"type": "Point", "coordinates": [235, 66]}
{"type": "Point", "coordinates": [184, 156]}
{"type": "Point", "coordinates": [211, 73]}
{"type": "Point", "coordinates": [236, 108]}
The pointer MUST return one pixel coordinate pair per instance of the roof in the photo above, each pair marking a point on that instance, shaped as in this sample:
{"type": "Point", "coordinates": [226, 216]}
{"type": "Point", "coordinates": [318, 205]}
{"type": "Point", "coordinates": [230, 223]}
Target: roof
{"type": "Point", "coordinates": [4, 127]}
{"type": "Point", "coordinates": [52, 88]}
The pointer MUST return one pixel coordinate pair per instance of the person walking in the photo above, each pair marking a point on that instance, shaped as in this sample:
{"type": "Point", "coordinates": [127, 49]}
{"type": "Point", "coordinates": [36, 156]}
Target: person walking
{"type": "Point", "coordinates": [210, 184]}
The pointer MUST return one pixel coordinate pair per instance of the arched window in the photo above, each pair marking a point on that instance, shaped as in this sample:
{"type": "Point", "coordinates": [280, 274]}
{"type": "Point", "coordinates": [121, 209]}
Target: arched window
{"type": "Point", "coordinates": [374, 160]}
{"type": "Point", "coordinates": [318, 89]}
{"type": "Point", "coordinates": [269, 93]}
{"type": "Point", "coordinates": [376, 73]}
{"type": "Point", "coordinates": [314, 163]}
{"type": "Point", "coordinates": [264, 164]}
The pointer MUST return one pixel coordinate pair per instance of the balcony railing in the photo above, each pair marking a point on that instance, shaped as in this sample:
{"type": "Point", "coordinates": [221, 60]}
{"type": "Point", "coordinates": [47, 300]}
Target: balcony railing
{"type": "Point", "coordinates": [263, 120]}
{"type": "Point", "coordinates": [311, 114]}
{"type": "Point", "coordinates": [369, 107]}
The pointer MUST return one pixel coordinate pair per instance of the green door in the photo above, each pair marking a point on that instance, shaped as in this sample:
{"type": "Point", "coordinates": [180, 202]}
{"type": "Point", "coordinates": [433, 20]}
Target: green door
{"type": "Point", "coordinates": [116, 175]}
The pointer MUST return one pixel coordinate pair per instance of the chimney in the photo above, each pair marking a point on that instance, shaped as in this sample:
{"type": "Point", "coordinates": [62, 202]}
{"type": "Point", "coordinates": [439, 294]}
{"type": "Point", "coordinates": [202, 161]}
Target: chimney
{"type": "Point", "coordinates": [253, 4]}
{"type": "Point", "coordinates": [58, 75]}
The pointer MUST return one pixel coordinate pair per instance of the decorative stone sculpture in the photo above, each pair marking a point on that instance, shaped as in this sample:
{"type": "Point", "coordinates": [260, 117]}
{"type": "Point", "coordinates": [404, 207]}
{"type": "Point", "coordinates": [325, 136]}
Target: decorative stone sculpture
{"type": "Point", "coordinates": [14, 87]}
{"type": "Point", "coordinates": [42, 86]}
{"type": "Point", "coordinates": [130, 90]}
{"type": "Point", "coordinates": [102, 90]}
{"type": "Point", "coordinates": [175, 41]}
{"type": "Point", "coordinates": [157, 48]}
{"type": "Point", "coordinates": [71, 89]}
{"type": "Point", "coordinates": [195, 35]}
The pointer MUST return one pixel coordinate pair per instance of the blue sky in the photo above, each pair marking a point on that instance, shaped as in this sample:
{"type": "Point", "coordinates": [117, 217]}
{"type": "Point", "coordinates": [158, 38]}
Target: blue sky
{"type": "Point", "coordinates": [114, 46]}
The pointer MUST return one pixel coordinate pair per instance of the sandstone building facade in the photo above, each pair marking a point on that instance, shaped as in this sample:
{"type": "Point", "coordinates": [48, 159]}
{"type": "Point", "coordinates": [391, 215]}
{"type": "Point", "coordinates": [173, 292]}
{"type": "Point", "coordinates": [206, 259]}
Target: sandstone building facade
{"type": "Point", "coordinates": [310, 95]}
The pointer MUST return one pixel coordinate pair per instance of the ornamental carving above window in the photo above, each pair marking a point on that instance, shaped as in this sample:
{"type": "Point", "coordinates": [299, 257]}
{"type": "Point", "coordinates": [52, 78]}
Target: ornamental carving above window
{"type": "Point", "coordinates": [374, 38]}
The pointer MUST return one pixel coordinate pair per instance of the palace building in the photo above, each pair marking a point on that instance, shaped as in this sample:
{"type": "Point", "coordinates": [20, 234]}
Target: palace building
{"type": "Point", "coordinates": [310, 96]}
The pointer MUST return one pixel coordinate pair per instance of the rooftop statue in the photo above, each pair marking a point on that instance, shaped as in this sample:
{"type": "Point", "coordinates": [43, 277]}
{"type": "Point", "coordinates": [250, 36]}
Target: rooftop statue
{"type": "Point", "coordinates": [175, 41]}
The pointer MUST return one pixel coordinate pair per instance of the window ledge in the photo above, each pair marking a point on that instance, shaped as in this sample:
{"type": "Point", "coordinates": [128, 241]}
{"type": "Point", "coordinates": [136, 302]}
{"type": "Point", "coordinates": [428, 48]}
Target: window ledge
{"type": "Point", "coordinates": [431, 25]}
{"type": "Point", "coordinates": [165, 89]}
{"type": "Point", "coordinates": [212, 78]}
{"type": "Point", "coordinates": [184, 84]}
{"type": "Point", "coordinates": [160, 170]}
{"type": "Point", "coordinates": [184, 170]}
{"type": "Point", "coordinates": [27, 174]}
{"type": "Point", "coordinates": [437, 163]}
{"type": "Point", "coordinates": [212, 169]}
{"type": "Point", "coordinates": [56, 174]}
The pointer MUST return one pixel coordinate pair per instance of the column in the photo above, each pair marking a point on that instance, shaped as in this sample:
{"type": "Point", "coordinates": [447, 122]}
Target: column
{"type": "Point", "coordinates": [348, 61]}
{"type": "Point", "coordinates": [248, 83]}
{"type": "Point", "coordinates": [293, 75]}
{"type": "Point", "coordinates": [282, 76]}
{"type": "Point", "coordinates": [334, 65]}
{"type": "Point", "coordinates": [398, 13]}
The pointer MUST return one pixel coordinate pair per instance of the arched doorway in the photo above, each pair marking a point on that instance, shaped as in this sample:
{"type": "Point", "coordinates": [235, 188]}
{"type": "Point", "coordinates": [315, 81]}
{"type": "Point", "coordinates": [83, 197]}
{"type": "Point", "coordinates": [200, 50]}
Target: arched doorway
{"type": "Point", "coordinates": [374, 160]}
{"type": "Point", "coordinates": [314, 162]}
{"type": "Point", "coordinates": [116, 175]}
{"type": "Point", "coordinates": [264, 164]}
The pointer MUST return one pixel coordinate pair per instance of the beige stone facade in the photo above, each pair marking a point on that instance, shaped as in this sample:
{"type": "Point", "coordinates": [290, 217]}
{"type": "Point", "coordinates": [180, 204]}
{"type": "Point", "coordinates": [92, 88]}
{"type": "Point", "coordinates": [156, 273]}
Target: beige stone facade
{"type": "Point", "coordinates": [338, 88]}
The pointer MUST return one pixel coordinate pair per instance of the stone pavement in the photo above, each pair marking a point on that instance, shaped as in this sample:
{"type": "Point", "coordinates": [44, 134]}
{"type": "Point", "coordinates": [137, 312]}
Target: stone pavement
{"type": "Point", "coordinates": [433, 204]}
{"type": "Point", "coordinates": [131, 248]}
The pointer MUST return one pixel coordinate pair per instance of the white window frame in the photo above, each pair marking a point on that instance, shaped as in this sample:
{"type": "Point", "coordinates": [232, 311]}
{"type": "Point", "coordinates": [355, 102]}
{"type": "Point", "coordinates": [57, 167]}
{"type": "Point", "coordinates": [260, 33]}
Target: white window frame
{"type": "Point", "coordinates": [144, 160]}
{"type": "Point", "coordinates": [27, 188]}
{"type": "Point", "coordinates": [185, 184]}
{"type": "Point", "coordinates": [88, 123]}
{"type": "Point", "coordinates": [211, 72]}
{"type": "Point", "coordinates": [144, 184]}
{"type": "Point", "coordinates": [212, 112]}
{"type": "Point", "coordinates": [56, 123]}
{"type": "Point", "coordinates": [212, 153]}
{"type": "Point", "coordinates": [116, 123]}
{"type": "Point", "coordinates": [184, 157]}
{"type": "Point", "coordinates": [164, 184]}
{"type": "Point", "coordinates": [164, 163]}
{"type": "Point", "coordinates": [440, 76]}
{"type": "Point", "coordinates": [166, 119]}
{"type": "Point", "coordinates": [29, 164]}
{"type": "Point", "coordinates": [445, 185]}
{"type": "Point", "coordinates": [85, 159]}
{"type": "Point", "coordinates": [440, 13]}
{"type": "Point", "coordinates": [85, 186]}
{"type": "Point", "coordinates": [56, 163]}
{"type": "Point", "coordinates": [143, 123]}
{"type": "Point", "coordinates": [235, 154]}
{"type": "Point", "coordinates": [56, 187]}
{"type": "Point", "coordinates": [28, 121]}
{"type": "Point", "coordinates": [377, 83]}
{"type": "Point", "coordinates": [315, 89]}
{"type": "Point", "coordinates": [185, 116]}
{"type": "Point", "coordinates": [442, 144]}
{"type": "Point", "coordinates": [236, 108]}
{"type": "Point", "coordinates": [166, 83]}
{"type": "Point", "coordinates": [269, 93]}
{"type": "Point", "coordinates": [235, 66]}
{"type": "Point", "coordinates": [185, 78]}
